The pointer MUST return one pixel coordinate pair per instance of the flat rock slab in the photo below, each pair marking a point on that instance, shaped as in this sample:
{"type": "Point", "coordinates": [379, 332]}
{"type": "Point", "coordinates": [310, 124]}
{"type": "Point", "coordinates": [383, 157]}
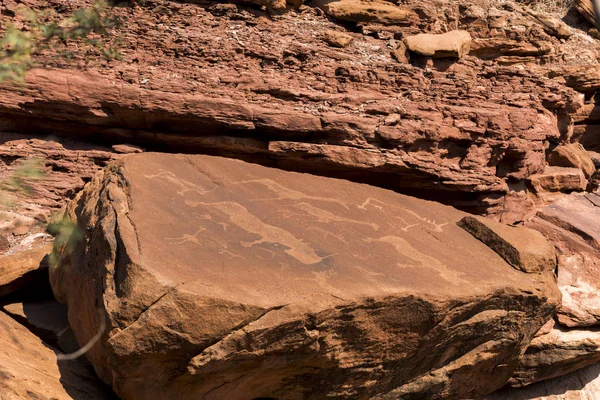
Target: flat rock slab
{"type": "Point", "coordinates": [224, 279]}
{"type": "Point", "coordinates": [29, 369]}
{"type": "Point", "coordinates": [578, 214]}
{"type": "Point", "coordinates": [454, 44]}
{"type": "Point", "coordinates": [377, 11]}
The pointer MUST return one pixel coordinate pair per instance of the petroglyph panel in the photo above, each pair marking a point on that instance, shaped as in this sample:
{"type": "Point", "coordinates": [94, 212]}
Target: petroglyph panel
{"type": "Point", "coordinates": [227, 280]}
{"type": "Point", "coordinates": [263, 231]}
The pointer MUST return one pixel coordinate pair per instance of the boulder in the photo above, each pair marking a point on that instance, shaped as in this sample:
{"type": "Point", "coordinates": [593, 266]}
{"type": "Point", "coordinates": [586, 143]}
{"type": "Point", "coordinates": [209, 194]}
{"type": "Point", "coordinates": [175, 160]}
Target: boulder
{"type": "Point", "coordinates": [572, 155]}
{"type": "Point", "coordinates": [126, 149]}
{"type": "Point", "coordinates": [18, 270]}
{"type": "Point", "coordinates": [380, 11]}
{"type": "Point", "coordinates": [222, 279]}
{"type": "Point", "coordinates": [29, 369]}
{"type": "Point", "coordinates": [556, 353]}
{"type": "Point", "coordinates": [571, 225]}
{"type": "Point", "coordinates": [553, 25]}
{"type": "Point", "coordinates": [454, 44]}
{"type": "Point", "coordinates": [14, 223]}
{"type": "Point", "coordinates": [558, 179]}
{"type": "Point", "coordinates": [525, 249]}
{"type": "Point", "coordinates": [337, 39]}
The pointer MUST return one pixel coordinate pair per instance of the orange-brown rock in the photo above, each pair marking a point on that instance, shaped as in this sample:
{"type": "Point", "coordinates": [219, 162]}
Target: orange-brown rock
{"type": "Point", "coordinates": [583, 384]}
{"type": "Point", "coordinates": [337, 39]}
{"type": "Point", "coordinates": [558, 179]}
{"type": "Point", "coordinates": [63, 165]}
{"type": "Point", "coordinates": [558, 352]}
{"type": "Point", "coordinates": [572, 155]}
{"type": "Point", "coordinates": [47, 319]}
{"type": "Point", "coordinates": [584, 78]}
{"type": "Point", "coordinates": [269, 90]}
{"type": "Point", "coordinates": [380, 11]}
{"type": "Point", "coordinates": [525, 249]}
{"type": "Point", "coordinates": [586, 8]}
{"type": "Point", "coordinates": [20, 269]}
{"type": "Point", "coordinates": [29, 369]}
{"type": "Point", "coordinates": [450, 44]}
{"type": "Point", "coordinates": [222, 279]}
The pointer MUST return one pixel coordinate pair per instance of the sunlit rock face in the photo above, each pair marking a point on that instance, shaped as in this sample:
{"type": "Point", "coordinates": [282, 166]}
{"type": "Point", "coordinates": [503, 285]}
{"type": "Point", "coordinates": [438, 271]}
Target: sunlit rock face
{"type": "Point", "coordinates": [225, 279]}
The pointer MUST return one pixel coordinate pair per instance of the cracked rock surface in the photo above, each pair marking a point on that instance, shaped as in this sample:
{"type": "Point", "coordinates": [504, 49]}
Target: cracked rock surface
{"type": "Point", "coordinates": [257, 282]}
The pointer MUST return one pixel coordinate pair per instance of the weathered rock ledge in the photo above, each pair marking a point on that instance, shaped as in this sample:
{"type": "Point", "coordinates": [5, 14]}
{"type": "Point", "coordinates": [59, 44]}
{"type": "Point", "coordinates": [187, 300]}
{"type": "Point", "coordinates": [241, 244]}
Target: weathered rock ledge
{"type": "Point", "coordinates": [466, 132]}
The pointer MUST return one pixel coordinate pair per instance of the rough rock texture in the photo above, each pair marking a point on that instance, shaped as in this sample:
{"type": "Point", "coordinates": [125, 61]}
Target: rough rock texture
{"type": "Point", "coordinates": [22, 268]}
{"type": "Point", "coordinates": [380, 11]}
{"type": "Point", "coordinates": [337, 39]}
{"type": "Point", "coordinates": [451, 44]}
{"type": "Point", "coordinates": [29, 369]}
{"type": "Point", "coordinates": [553, 25]}
{"type": "Point", "coordinates": [421, 150]}
{"type": "Point", "coordinates": [571, 224]}
{"type": "Point", "coordinates": [303, 92]}
{"type": "Point", "coordinates": [586, 8]}
{"type": "Point", "coordinates": [558, 179]}
{"type": "Point", "coordinates": [523, 248]}
{"type": "Point", "coordinates": [65, 166]}
{"type": "Point", "coordinates": [583, 384]}
{"type": "Point", "coordinates": [572, 155]}
{"type": "Point", "coordinates": [269, 90]}
{"type": "Point", "coordinates": [287, 285]}
{"type": "Point", "coordinates": [557, 353]}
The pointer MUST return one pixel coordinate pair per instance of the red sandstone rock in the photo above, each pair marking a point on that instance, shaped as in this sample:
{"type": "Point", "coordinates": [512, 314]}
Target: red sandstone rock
{"type": "Point", "coordinates": [525, 249]}
{"type": "Point", "coordinates": [287, 285]}
{"type": "Point", "coordinates": [451, 44]}
{"type": "Point", "coordinates": [22, 268]}
{"type": "Point", "coordinates": [29, 369]}
{"type": "Point", "coordinates": [571, 224]}
{"type": "Point", "coordinates": [247, 87]}
{"type": "Point", "coordinates": [582, 384]}
{"type": "Point", "coordinates": [558, 179]}
{"type": "Point", "coordinates": [572, 155]}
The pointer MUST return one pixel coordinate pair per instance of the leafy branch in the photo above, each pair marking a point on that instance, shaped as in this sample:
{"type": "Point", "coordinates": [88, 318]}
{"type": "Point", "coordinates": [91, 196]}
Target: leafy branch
{"type": "Point", "coordinates": [41, 32]}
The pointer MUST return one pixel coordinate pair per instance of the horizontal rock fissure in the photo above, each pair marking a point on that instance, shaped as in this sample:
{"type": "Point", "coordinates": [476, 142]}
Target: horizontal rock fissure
{"type": "Point", "coordinates": [409, 181]}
